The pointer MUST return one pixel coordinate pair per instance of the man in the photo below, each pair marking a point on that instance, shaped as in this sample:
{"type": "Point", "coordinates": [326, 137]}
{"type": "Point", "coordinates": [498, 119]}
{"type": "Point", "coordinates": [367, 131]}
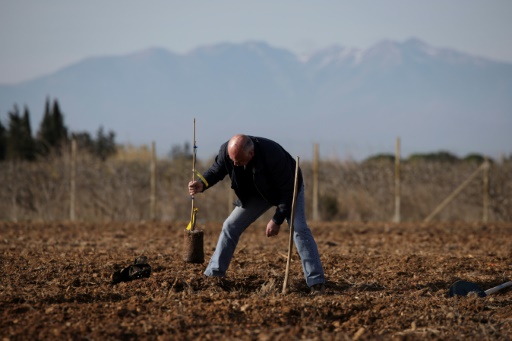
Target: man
{"type": "Point", "coordinates": [262, 175]}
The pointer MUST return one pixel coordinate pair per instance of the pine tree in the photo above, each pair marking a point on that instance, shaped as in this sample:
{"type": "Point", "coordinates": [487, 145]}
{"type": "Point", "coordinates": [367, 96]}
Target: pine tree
{"type": "Point", "coordinates": [20, 143]}
{"type": "Point", "coordinates": [52, 133]}
{"type": "Point", "coordinates": [45, 133]}
{"type": "Point", "coordinates": [14, 134]}
{"type": "Point", "coordinates": [60, 130]}
{"type": "Point", "coordinates": [28, 144]}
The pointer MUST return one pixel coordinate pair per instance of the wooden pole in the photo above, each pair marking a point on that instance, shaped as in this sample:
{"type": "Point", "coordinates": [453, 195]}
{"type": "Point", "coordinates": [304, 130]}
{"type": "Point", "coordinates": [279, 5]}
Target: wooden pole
{"type": "Point", "coordinates": [396, 217]}
{"type": "Point", "coordinates": [193, 226]}
{"type": "Point", "coordinates": [292, 218]}
{"type": "Point", "coordinates": [454, 193]}
{"type": "Point", "coordinates": [316, 216]}
{"type": "Point", "coordinates": [485, 217]}
{"type": "Point", "coordinates": [152, 184]}
{"type": "Point", "coordinates": [72, 185]}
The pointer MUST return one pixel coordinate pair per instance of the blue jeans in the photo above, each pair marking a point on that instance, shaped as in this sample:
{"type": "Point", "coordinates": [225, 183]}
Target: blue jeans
{"type": "Point", "coordinates": [242, 217]}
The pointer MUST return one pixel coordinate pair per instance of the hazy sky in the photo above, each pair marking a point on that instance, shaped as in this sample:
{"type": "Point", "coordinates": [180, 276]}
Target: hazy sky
{"type": "Point", "coordinates": [39, 37]}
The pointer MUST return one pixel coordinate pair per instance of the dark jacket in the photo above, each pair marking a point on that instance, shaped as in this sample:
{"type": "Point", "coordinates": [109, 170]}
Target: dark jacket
{"type": "Point", "coordinates": [273, 175]}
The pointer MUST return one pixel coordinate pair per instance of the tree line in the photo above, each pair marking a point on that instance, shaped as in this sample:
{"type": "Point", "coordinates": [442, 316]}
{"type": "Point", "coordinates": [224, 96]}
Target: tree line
{"type": "Point", "coordinates": [52, 137]}
{"type": "Point", "coordinates": [440, 156]}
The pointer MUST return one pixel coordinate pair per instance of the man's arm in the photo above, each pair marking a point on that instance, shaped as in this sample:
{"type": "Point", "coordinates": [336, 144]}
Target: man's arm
{"type": "Point", "coordinates": [282, 172]}
{"type": "Point", "coordinates": [217, 170]}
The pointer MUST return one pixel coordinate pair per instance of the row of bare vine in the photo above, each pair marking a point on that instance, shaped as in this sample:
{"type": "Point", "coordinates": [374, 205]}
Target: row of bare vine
{"type": "Point", "coordinates": [115, 190]}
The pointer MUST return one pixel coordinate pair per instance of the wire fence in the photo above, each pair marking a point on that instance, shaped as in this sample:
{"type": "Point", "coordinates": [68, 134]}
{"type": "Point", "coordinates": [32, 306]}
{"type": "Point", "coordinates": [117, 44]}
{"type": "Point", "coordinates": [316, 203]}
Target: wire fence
{"type": "Point", "coordinates": [86, 189]}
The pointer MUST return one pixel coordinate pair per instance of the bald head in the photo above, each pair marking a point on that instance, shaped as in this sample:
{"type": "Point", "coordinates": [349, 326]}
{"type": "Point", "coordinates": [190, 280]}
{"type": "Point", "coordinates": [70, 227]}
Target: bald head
{"type": "Point", "coordinates": [240, 149]}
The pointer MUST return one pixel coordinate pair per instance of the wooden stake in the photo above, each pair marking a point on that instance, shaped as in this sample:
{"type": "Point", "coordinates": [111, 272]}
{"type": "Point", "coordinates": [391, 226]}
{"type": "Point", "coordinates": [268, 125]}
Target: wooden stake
{"type": "Point", "coordinates": [396, 217]}
{"type": "Point", "coordinates": [315, 184]}
{"type": "Point", "coordinates": [152, 185]}
{"type": "Point", "coordinates": [72, 185]}
{"type": "Point", "coordinates": [485, 217]}
{"type": "Point", "coordinates": [193, 177]}
{"type": "Point", "coordinates": [292, 218]}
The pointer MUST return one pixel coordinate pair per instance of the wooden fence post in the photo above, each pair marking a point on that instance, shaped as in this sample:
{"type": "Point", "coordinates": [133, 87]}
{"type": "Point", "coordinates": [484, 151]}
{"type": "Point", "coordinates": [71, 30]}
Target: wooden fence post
{"type": "Point", "coordinates": [152, 183]}
{"type": "Point", "coordinates": [72, 185]}
{"type": "Point", "coordinates": [316, 216]}
{"type": "Point", "coordinates": [485, 216]}
{"type": "Point", "coordinates": [396, 217]}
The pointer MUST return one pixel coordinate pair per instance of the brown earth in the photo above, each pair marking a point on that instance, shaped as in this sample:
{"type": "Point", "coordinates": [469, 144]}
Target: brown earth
{"type": "Point", "coordinates": [384, 281]}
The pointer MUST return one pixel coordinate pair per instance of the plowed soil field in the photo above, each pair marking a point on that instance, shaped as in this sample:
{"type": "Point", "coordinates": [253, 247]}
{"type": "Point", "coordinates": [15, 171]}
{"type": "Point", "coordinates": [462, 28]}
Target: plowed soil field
{"type": "Point", "coordinates": [384, 281]}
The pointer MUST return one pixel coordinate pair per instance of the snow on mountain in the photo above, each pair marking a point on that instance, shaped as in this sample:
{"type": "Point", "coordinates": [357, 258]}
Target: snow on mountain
{"type": "Point", "coordinates": [353, 102]}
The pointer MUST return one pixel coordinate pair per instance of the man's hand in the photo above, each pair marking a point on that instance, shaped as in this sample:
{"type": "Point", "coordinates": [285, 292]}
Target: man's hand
{"type": "Point", "coordinates": [195, 187]}
{"type": "Point", "coordinates": [272, 229]}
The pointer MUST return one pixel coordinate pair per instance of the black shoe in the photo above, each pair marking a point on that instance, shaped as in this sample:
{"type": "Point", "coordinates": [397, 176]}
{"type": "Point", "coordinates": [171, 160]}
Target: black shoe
{"type": "Point", "coordinates": [139, 269]}
{"type": "Point", "coordinates": [318, 289]}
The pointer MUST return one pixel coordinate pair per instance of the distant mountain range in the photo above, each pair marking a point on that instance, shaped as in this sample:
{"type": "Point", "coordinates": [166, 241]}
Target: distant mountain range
{"type": "Point", "coordinates": [354, 103]}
